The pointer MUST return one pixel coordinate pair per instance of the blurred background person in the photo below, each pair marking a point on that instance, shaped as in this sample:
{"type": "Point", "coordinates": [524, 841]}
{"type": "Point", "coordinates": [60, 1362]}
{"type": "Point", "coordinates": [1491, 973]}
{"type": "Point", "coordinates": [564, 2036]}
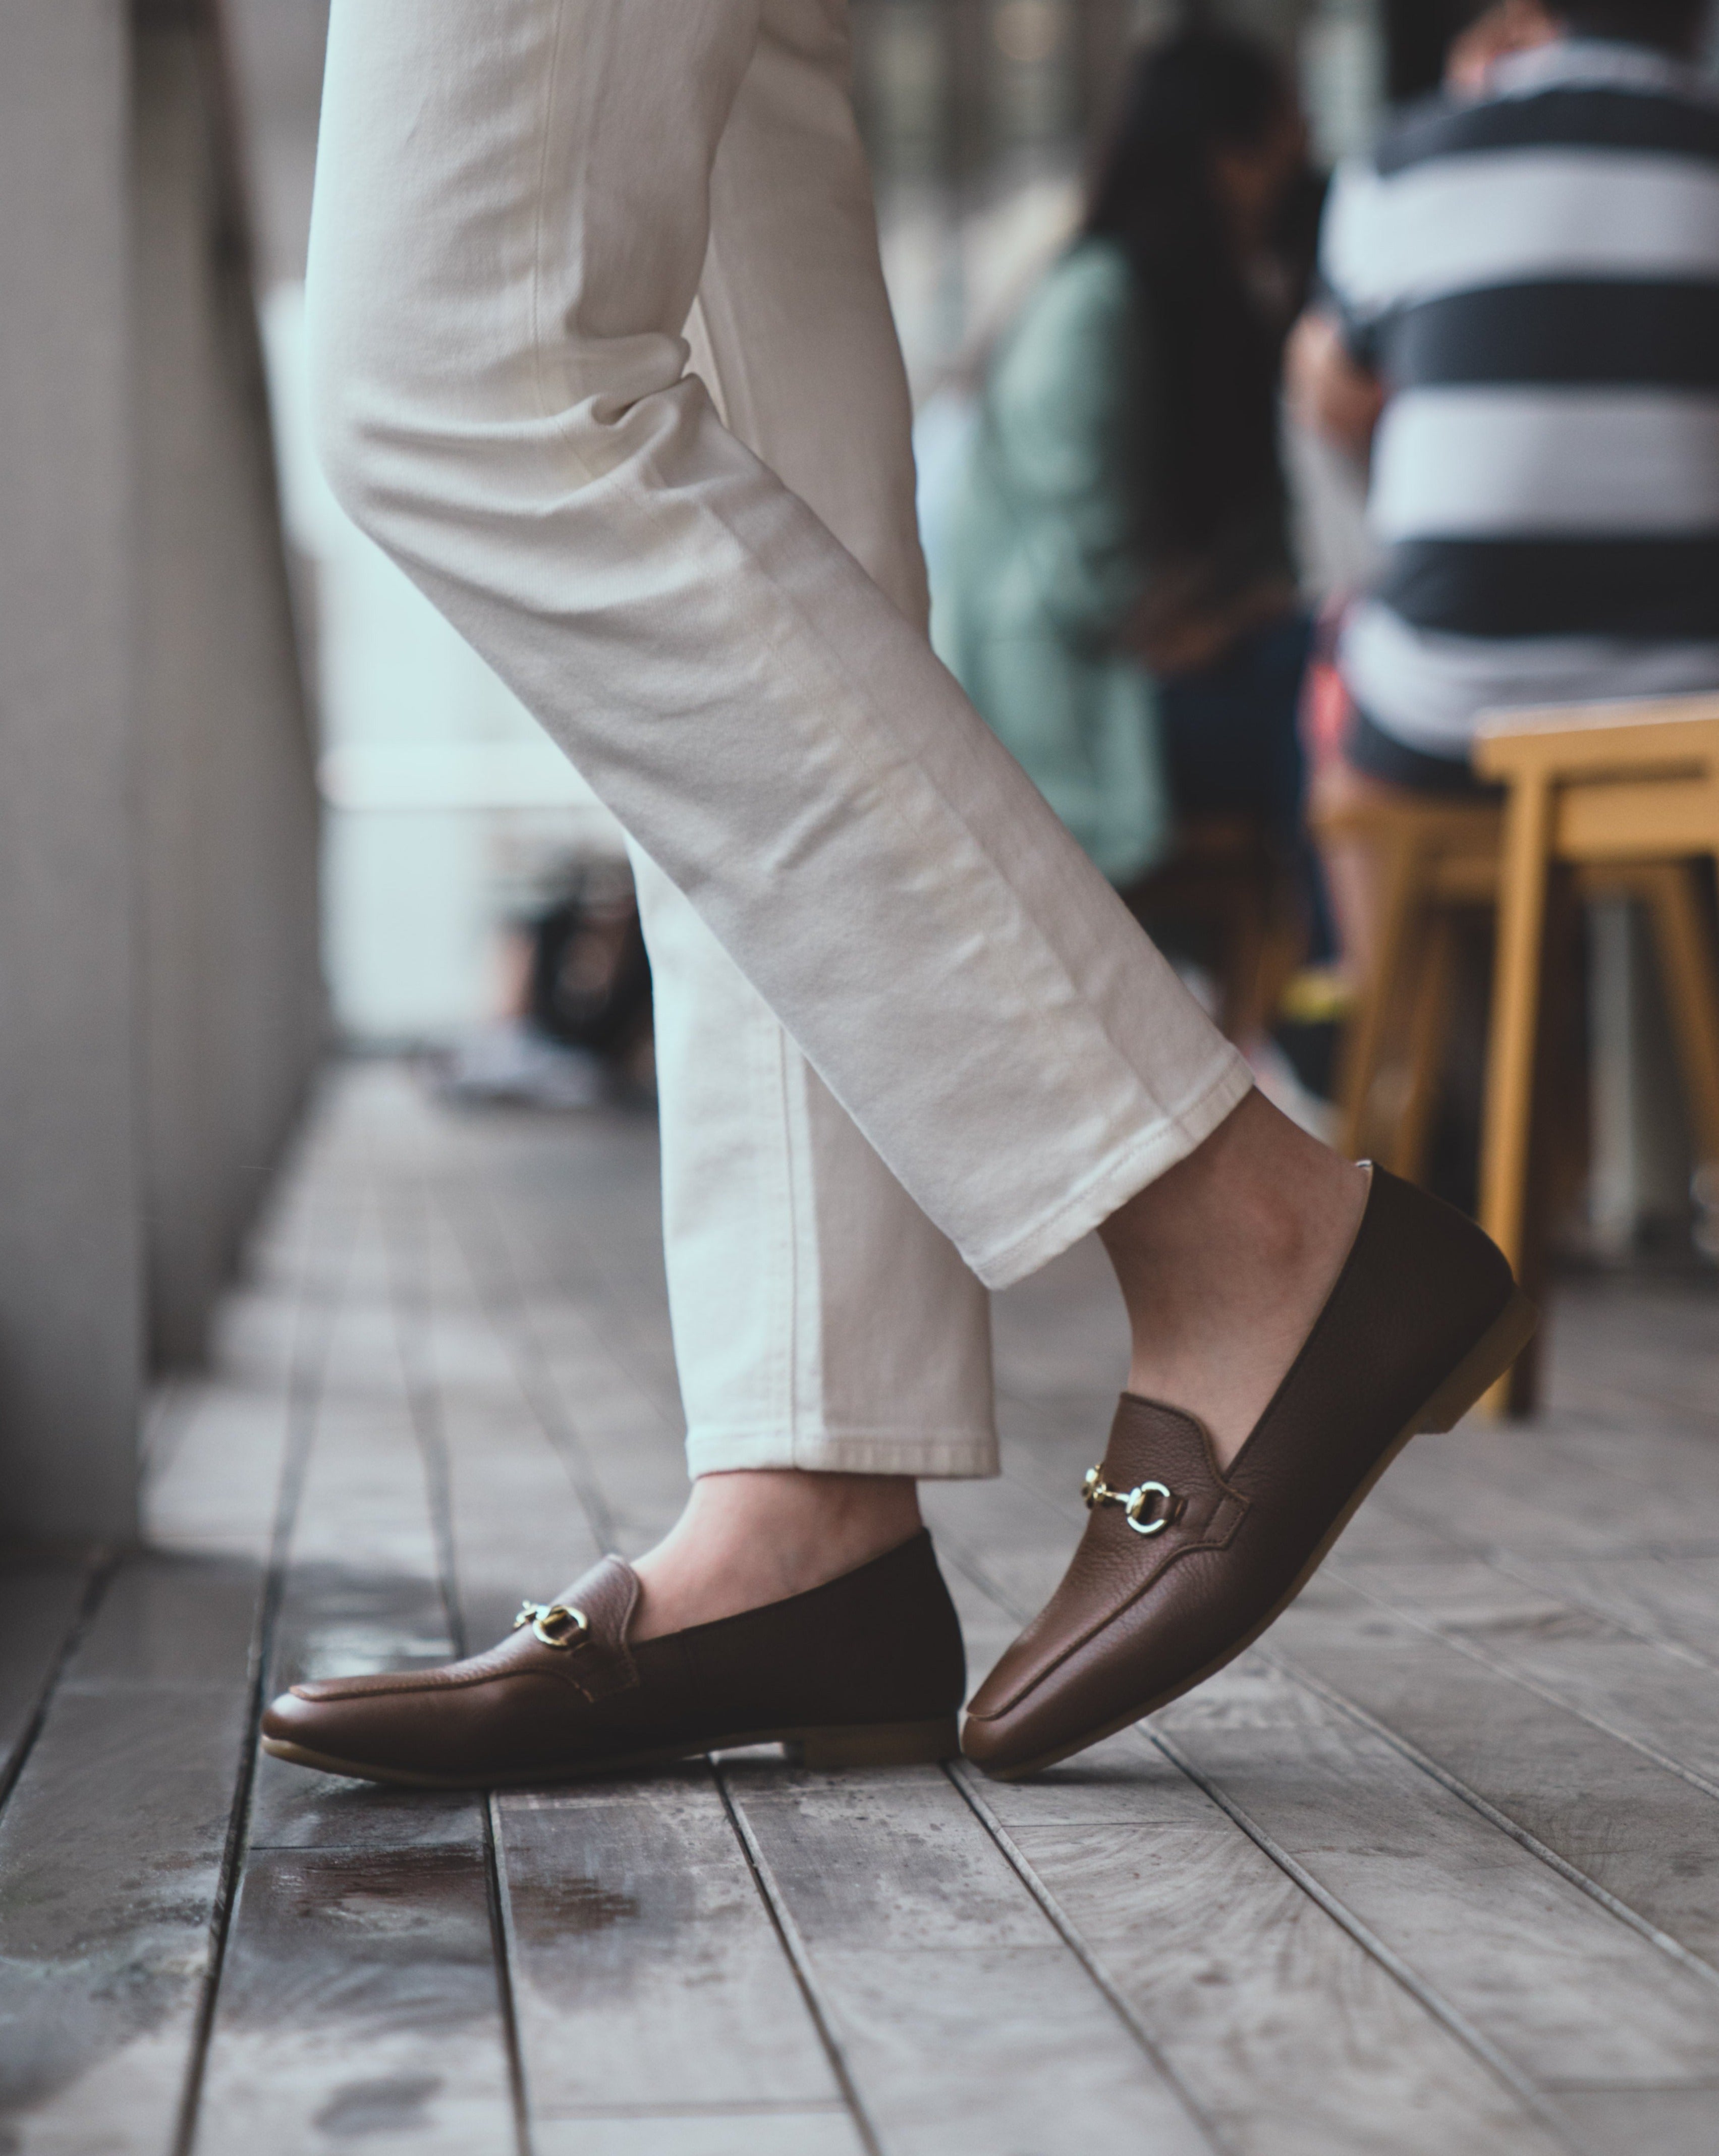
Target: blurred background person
{"type": "Point", "coordinates": [1513, 26]}
{"type": "Point", "coordinates": [1116, 592]}
{"type": "Point", "coordinates": [1519, 325]}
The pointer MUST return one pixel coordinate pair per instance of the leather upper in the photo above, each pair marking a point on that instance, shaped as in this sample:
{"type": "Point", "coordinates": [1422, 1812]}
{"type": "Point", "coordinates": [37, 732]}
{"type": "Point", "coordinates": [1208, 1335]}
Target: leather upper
{"type": "Point", "coordinates": [880, 1644]}
{"type": "Point", "coordinates": [1136, 1618]}
{"type": "Point", "coordinates": [599, 1665]}
{"type": "Point", "coordinates": [1114, 1566]}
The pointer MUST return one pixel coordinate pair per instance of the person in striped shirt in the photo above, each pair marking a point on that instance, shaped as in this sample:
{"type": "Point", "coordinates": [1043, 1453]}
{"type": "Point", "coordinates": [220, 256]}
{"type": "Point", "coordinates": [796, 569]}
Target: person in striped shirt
{"type": "Point", "coordinates": [1519, 321]}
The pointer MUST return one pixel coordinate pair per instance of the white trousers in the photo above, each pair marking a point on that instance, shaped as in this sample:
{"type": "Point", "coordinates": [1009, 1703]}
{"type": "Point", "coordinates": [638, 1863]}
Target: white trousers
{"type": "Point", "coordinates": [906, 1029]}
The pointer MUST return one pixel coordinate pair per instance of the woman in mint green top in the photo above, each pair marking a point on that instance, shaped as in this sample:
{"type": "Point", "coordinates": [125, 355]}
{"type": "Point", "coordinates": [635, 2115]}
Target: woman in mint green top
{"type": "Point", "coordinates": [1118, 536]}
{"type": "Point", "coordinates": [1047, 561]}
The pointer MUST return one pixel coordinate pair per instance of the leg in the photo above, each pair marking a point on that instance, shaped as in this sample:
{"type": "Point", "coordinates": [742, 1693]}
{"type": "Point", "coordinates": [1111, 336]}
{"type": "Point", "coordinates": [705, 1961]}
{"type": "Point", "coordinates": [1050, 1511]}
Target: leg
{"type": "Point", "coordinates": [1429, 1017]}
{"type": "Point", "coordinates": [506, 402]}
{"type": "Point", "coordinates": [1691, 980]}
{"type": "Point", "coordinates": [503, 400]}
{"type": "Point", "coordinates": [1516, 1013]}
{"type": "Point", "coordinates": [773, 729]}
{"type": "Point", "coordinates": [830, 1340]}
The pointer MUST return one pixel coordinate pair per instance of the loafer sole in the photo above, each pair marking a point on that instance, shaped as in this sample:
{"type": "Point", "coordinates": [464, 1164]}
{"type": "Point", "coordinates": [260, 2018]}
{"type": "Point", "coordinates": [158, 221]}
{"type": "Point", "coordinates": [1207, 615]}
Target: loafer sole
{"type": "Point", "coordinates": [822, 1748]}
{"type": "Point", "coordinates": [1469, 1382]}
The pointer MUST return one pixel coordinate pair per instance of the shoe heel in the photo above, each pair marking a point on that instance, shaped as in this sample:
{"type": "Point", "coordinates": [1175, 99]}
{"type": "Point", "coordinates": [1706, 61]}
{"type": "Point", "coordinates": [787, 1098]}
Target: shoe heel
{"type": "Point", "coordinates": [1481, 1368]}
{"type": "Point", "coordinates": [878, 1744]}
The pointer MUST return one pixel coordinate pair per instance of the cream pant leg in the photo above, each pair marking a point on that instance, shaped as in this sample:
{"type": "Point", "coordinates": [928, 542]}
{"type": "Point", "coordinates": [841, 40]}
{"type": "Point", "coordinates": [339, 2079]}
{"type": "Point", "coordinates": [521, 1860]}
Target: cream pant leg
{"type": "Point", "coordinates": [513, 215]}
{"type": "Point", "coordinates": [820, 1320]}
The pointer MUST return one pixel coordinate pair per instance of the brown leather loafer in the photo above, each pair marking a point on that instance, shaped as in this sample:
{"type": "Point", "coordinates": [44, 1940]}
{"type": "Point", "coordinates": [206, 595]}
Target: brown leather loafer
{"type": "Point", "coordinates": [1182, 1566]}
{"type": "Point", "coordinates": [867, 1669]}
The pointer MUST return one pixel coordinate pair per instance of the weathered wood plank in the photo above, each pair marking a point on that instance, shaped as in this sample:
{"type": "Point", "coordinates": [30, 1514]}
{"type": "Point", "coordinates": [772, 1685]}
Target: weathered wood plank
{"type": "Point", "coordinates": [112, 1852]}
{"type": "Point", "coordinates": [363, 1590]}
{"type": "Point", "coordinates": [1638, 1830]}
{"type": "Point", "coordinates": [1514, 1491]}
{"type": "Point", "coordinates": [111, 1855]}
{"type": "Point", "coordinates": [362, 1994]}
{"type": "Point", "coordinates": [336, 1620]}
{"type": "Point", "coordinates": [648, 1975]}
{"type": "Point", "coordinates": [1638, 2122]}
{"type": "Point", "coordinates": [40, 1596]}
{"type": "Point", "coordinates": [1390, 1842]}
{"type": "Point", "coordinates": [1647, 1694]}
{"type": "Point", "coordinates": [960, 2052]}
{"type": "Point", "coordinates": [515, 1522]}
{"type": "Point", "coordinates": [733, 2133]}
{"type": "Point", "coordinates": [359, 1999]}
{"type": "Point", "coordinates": [1559, 1986]}
{"type": "Point", "coordinates": [1675, 1600]}
{"type": "Point", "coordinates": [1675, 1459]}
{"type": "Point", "coordinates": [1295, 2042]}
{"type": "Point", "coordinates": [1287, 2033]}
{"type": "Point", "coordinates": [170, 1621]}
{"type": "Point", "coordinates": [965, 2021]}
{"type": "Point", "coordinates": [216, 1491]}
{"type": "Point", "coordinates": [1626, 1344]}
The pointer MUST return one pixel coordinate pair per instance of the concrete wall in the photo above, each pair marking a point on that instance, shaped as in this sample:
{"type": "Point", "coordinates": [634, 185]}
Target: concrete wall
{"type": "Point", "coordinates": [231, 1000]}
{"type": "Point", "coordinates": [159, 1007]}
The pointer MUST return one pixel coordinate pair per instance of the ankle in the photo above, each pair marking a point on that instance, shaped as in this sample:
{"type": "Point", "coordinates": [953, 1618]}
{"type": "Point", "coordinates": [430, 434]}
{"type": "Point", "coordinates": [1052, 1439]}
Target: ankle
{"type": "Point", "coordinates": [749, 1537]}
{"type": "Point", "coordinates": [1225, 1262]}
{"type": "Point", "coordinates": [1258, 1193]}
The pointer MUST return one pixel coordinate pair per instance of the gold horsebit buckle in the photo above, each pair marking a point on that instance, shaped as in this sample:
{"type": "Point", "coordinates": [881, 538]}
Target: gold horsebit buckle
{"type": "Point", "coordinates": [1135, 1503]}
{"type": "Point", "coordinates": [555, 1624]}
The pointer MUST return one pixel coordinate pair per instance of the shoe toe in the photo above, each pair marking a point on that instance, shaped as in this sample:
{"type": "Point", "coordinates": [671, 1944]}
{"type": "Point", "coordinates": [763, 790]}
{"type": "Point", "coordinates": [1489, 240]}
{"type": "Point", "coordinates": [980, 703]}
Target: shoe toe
{"type": "Point", "coordinates": [299, 1717]}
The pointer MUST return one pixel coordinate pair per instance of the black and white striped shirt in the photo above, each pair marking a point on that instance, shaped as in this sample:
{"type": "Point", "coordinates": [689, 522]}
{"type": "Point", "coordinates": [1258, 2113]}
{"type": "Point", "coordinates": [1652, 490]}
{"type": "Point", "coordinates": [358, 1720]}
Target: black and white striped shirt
{"type": "Point", "coordinates": [1534, 278]}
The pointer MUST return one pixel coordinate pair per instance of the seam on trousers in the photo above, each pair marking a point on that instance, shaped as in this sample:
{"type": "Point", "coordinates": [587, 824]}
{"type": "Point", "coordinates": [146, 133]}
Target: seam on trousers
{"type": "Point", "coordinates": [791, 1192]}
{"type": "Point", "coordinates": [539, 209]}
{"type": "Point", "coordinates": [1172, 1138]}
{"type": "Point", "coordinates": [783, 1314]}
{"type": "Point", "coordinates": [932, 1457]}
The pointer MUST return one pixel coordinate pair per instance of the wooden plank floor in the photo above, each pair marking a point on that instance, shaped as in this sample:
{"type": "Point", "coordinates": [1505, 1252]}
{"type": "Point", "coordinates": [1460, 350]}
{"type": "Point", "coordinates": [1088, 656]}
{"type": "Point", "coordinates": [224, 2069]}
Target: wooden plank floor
{"type": "Point", "coordinates": [1432, 1869]}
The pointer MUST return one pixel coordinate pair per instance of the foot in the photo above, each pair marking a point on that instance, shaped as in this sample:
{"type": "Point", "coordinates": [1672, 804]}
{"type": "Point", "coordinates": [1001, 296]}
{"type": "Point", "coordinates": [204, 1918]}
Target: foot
{"type": "Point", "coordinates": [746, 1539]}
{"type": "Point", "coordinates": [865, 1670]}
{"type": "Point", "coordinates": [1186, 1557]}
{"type": "Point", "coordinates": [1225, 1262]}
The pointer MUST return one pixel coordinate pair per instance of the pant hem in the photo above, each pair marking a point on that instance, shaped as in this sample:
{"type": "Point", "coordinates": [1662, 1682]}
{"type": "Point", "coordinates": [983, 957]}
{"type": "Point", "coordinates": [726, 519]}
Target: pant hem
{"type": "Point", "coordinates": [933, 1456]}
{"type": "Point", "coordinates": [1119, 1178]}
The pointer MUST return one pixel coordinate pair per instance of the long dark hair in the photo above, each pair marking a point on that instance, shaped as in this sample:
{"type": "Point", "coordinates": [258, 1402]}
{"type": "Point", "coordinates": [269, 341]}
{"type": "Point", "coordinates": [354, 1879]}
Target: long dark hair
{"type": "Point", "coordinates": [1214, 353]}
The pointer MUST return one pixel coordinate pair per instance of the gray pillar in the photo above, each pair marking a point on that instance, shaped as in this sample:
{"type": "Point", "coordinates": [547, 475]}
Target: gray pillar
{"type": "Point", "coordinates": [230, 1000]}
{"type": "Point", "coordinates": [160, 1008]}
{"type": "Point", "coordinates": [71, 1325]}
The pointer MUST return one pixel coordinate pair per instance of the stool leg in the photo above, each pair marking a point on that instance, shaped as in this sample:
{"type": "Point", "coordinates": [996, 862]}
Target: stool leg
{"type": "Point", "coordinates": [1284, 948]}
{"type": "Point", "coordinates": [1690, 973]}
{"type": "Point", "coordinates": [1365, 1038]}
{"type": "Point", "coordinates": [1243, 967]}
{"type": "Point", "coordinates": [1515, 1025]}
{"type": "Point", "coordinates": [1426, 1047]}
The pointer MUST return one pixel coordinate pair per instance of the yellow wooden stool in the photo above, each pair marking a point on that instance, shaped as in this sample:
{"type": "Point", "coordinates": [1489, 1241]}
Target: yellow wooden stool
{"type": "Point", "coordinates": [1627, 797]}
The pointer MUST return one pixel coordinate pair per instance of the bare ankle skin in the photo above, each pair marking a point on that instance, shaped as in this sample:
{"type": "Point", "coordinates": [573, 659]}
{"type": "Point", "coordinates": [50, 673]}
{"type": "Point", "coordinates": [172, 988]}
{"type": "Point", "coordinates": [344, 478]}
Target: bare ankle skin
{"type": "Point", "coordinates": [1225, 1262]}
{"type": "Point", "coordinates": [755, 1536]}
